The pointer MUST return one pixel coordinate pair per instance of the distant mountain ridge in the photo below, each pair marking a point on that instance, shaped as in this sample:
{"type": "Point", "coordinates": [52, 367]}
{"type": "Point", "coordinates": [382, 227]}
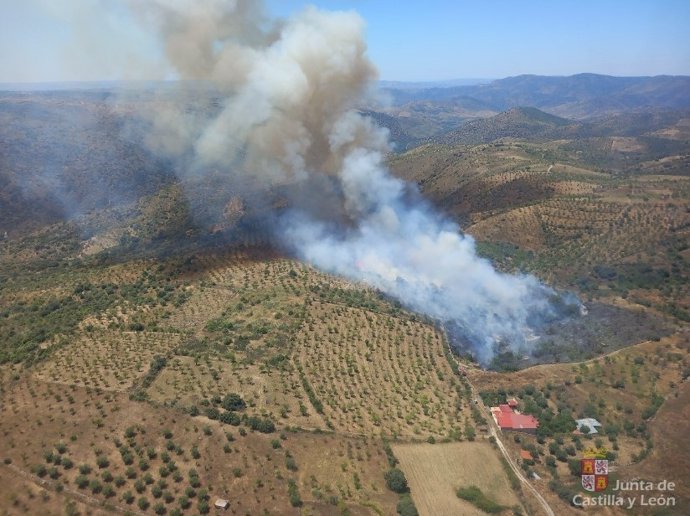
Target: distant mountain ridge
{"type": "Point", "coordinates": [577, 96]}
{"type": "Point", "coordinates": [533, 124]}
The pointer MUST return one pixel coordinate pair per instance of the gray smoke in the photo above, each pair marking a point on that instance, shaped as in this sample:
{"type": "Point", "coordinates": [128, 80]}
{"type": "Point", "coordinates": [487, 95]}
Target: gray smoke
{"type": "Point", "coordinates": [413, 254]}
{"type": "Point", "coordinates": [290, 90]}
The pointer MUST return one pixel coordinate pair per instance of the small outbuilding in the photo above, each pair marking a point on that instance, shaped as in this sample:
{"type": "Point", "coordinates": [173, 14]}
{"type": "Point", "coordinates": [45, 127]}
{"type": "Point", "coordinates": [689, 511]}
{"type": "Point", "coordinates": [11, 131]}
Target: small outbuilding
{"type": "Point", "coordinates": [588, 422]}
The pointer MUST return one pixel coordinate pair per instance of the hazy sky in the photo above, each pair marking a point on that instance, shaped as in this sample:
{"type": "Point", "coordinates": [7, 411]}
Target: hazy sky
{"type": "Point", "coordinates": [413, 40]}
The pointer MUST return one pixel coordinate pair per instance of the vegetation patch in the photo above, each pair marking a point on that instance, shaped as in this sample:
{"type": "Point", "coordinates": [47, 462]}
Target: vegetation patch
{"type": "Point", "coordinates": [476, 497]}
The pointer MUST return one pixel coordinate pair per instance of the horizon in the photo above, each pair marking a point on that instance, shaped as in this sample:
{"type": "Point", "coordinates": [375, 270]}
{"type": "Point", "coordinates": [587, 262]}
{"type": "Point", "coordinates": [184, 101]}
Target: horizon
{"type": "Point", "coordinates": [77, 41]}
{"type": "Point", "coordinates": [383, 83]}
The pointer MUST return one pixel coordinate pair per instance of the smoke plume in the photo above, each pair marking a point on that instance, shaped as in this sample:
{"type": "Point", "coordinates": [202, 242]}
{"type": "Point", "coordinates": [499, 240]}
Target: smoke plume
{"type": "Point", "coordinates": [289, 91]}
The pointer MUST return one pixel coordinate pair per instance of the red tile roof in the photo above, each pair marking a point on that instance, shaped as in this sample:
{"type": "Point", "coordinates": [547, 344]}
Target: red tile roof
{"type": "Point", "coordinates": [505, 407]}
{"type": "Point", "coordinates": [516, 421]}
{"type": "Point", "coordinates": [525, 455]}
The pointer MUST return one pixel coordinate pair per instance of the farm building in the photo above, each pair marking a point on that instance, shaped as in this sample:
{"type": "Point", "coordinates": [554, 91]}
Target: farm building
{"type": "Point", "coordinates": [508, 419]}
{"type": "Point", "coordinates": [512, 403]}
{"type": "Point", "coordinates": [590, 423]}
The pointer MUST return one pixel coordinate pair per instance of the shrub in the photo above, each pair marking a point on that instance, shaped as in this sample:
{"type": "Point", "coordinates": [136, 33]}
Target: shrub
{"type": "Point", "coordinates": [406, 506]}
{"type": "Point", "coordinates": [95, 486]}
{"type": "Point", "coordinates": [143, 503]}
{"type": "Point", "coordinates": [233, 402]}
{"type": "Point", "coordinates": [127, 458]}
{"type": "Point", "coordinates": [396, 481]}
{"type": "Point", "coordinates": [392, 461]}
{"type": "Point", "coordinates": [293, 493]}
{"type": "Point", "coordinates": [475, 496]}
{"type": "Point", "coordinates": [230, 418]}
{"type": "Point", "coordinates": [290, 463]}
{"type": "Point", "coordinates": [262, 425]}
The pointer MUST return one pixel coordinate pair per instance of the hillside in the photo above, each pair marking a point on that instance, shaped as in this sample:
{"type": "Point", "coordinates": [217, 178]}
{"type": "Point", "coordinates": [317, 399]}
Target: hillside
{"type": "Point", "coordinates": [520, 122]}
{"type": "Point", "coordinates": [541, 207]}
{"type": "Point", "coordinates": [65, 154]}
{"type": "Point", "coordinates": [536, 125]}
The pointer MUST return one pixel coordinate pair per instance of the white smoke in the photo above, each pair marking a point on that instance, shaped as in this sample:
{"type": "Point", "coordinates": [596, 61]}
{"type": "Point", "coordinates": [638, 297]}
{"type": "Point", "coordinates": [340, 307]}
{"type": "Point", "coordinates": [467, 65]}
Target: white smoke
{"type": "Point", "coordinates": [291, 90]}
{"type": "Point", "coordinates": [413, 254]}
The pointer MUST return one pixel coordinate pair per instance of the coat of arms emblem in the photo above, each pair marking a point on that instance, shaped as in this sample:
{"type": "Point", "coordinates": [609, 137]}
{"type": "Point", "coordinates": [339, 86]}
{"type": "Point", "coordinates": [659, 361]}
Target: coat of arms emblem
{"type": "Point", "coordinates": [595, 474]}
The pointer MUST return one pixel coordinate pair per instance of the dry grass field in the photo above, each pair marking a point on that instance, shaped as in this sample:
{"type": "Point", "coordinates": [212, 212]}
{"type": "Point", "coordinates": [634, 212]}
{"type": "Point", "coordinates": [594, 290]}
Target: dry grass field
{"type": "Point", "coordinates": [668, 460]}
{"type": "Point", "coordinates": [435, 472]}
